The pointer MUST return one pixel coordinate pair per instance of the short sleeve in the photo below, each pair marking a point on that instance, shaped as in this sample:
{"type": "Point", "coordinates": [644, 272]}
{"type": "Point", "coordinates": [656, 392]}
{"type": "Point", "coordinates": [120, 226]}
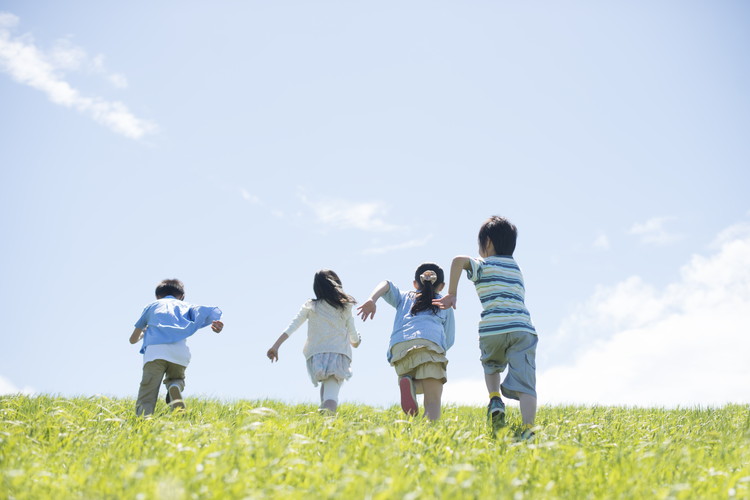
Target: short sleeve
{"type": "Point", "coordinates": [204, 315]}
{"type": "Point", "coordinates": [142, 322]}
{"type": "Point", "coordinates": [393, 295]}
{"type": "Point", "coordinates": [475, 272]}
{"type": "Point", "coordinates": [449, 327]}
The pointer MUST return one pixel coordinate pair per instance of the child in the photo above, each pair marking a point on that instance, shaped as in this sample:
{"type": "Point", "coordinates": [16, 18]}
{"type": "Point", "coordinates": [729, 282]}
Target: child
{"type": "Point", "coordinates": [330, 337]}
{"type": "Point", "coordinates": [164, 327]}
{"type": "Point", "coordinates": [421, 335]}
{"type": "Point", "coordinates": [506, 335]}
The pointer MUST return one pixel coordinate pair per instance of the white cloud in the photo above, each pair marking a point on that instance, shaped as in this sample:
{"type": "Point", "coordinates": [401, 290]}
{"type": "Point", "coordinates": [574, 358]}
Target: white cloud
{"type": "Point", "coordinates": [116, 79]}
{"type": "Point", "coordinates": [684, 345]}
{"type": "Point", "coordinates": [400, 246]}
{"type": "Point", "coordinates": [601, 242]}
{"type": "Point", "coordinates": [653, 231]}
{"type": "Point", "coordinates": [468, 391]}
{"type": "Point", "coordinates": [44, 71]}
{"type": "Point", "coordinates": [250, 197]}
{"type": "Point", "coordinates": [6, 386]}
{"type": "Point", "coordinates": [732, 233]}
{"type": "Point", "coordinates": [8, 20]}
{"type": "Point", "coordinates": [344, 214]}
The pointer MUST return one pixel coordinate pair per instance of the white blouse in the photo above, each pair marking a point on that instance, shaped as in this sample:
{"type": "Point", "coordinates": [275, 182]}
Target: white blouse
{"type": "Point", "coordinates": [329, 329]}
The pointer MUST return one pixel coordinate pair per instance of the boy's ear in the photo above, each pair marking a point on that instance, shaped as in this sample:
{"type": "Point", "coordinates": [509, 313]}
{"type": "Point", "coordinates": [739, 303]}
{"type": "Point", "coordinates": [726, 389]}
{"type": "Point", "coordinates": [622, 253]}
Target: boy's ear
{"type": "Point", "coordinates": [440, 287]}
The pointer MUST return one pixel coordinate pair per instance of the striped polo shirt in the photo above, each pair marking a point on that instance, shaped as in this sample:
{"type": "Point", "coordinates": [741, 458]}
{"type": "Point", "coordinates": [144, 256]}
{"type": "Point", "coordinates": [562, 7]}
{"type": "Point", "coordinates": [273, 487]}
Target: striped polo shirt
{"type": "Point", "coordinates": [499, 284]}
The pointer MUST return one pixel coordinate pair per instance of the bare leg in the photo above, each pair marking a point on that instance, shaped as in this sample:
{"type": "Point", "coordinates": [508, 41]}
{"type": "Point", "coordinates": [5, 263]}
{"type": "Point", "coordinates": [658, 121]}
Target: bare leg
{"type": "Point", "coordinates": [433, 392]}
{"type": "Point", "coordinates": [528, 408]}
{"type": "Point", "coordinates": [493, 382]}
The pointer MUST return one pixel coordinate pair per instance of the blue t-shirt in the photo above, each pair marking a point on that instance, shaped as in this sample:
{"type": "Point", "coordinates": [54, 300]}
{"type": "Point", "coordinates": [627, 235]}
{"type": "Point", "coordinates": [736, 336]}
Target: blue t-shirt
{"type": "Point", "coordinates": [438, 327]}
{"type": "Point", "coordinates": [169, 320]}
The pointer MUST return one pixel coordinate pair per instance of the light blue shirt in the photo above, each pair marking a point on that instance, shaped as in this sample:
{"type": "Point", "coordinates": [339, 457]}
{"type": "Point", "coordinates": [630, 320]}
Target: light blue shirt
{"type": "Point", "coordinates": [438, 327]}
{"type": "Point", "coordinates": [169, 320]}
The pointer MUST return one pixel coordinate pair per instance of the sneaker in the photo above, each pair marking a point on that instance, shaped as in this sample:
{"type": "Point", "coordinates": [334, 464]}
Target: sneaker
{"type": "Point", "coordinates": [527, 435]}
{"type": "Point", "coordinates": [408, 395]}
{"type": "Point", "coordinates": [174, 397]}
{"type": "Point", "coordinates": [496, 412]}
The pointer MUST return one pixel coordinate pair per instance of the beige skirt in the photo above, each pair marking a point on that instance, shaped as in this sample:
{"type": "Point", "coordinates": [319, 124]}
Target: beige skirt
{"type": "Point", "coordinates": [420, 359]}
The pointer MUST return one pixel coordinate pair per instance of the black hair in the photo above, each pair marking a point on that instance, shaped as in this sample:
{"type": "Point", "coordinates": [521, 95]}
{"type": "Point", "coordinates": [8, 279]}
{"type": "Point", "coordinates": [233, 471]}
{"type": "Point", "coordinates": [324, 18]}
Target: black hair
{"type": "Point", "coordinates": [426, 293]}
{"type": "Point", "coordinates": [172, 287]}
{"type": "Point", "coordinates": [501, 232]}
{"type": "Point", "coordinates": [327, 287]}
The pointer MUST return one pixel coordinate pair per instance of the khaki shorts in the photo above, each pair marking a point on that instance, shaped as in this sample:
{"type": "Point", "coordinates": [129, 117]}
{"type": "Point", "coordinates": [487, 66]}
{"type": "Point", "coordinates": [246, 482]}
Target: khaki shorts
{"type": "Point", "coordinates": [420, 359]}
{"type": "Point", "coordinates": [515, 351]}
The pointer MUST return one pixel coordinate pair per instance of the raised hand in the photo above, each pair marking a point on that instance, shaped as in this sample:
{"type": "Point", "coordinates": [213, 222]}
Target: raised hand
{"type": "Point", "coordinates": [367, 310]}
{"type": "Point", "coordinates": [445, 301]}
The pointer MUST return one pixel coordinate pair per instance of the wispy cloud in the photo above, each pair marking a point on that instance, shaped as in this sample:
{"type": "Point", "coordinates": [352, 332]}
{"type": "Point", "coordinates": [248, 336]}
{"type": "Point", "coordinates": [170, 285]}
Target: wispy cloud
{"type": "Point", "coordinates": [654, 231]}
{"type": "Point", "coordinates": [251, 198]}
{"type": "Point", "coordinates": [254, 199]}
{"type": "Point", "coordinates": [601, 242]}
{"type": "Point", "coordinates": [7, 387]}
{"type": "Point", "coordinates": [344, 214]}
{"type": "Point", "coordinates": [44, 71]}
{"type": "Point", "coordinates": [400, 246]}
{"type": "Point", "coordinates": [684, 344]}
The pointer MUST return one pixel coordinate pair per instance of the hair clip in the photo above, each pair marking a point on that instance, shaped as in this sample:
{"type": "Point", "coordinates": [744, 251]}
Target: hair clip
{"type": "Point", "coordinates": [430, 276]}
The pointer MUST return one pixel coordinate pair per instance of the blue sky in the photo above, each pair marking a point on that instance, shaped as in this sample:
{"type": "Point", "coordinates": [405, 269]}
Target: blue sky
{"type": "Point", "coordinates": [241, 146]}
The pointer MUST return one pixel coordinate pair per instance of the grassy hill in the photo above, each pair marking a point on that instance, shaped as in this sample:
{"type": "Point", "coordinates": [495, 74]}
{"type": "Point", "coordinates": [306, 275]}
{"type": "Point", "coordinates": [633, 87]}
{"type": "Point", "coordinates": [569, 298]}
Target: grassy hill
{"type": "Point", "coordinates": [95, 448]}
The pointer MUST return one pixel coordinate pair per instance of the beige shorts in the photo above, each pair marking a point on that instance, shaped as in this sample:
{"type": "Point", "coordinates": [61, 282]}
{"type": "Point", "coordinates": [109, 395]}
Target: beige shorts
{"type": "Point", "coordinates": [420, 359]}
{"type": "Point", "coordinates": [517, 352]}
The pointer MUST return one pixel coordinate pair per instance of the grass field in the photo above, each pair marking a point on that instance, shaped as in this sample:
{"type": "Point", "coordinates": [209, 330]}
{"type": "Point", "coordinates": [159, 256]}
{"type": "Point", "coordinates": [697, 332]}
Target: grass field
{"type": "Point", "coordinates": [96, 448]}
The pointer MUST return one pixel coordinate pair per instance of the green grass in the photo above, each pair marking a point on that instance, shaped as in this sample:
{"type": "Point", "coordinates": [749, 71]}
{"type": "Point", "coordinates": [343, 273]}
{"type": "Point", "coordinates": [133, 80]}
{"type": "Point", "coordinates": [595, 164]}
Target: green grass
{"type": "Point", "coordinates": [95, 448]}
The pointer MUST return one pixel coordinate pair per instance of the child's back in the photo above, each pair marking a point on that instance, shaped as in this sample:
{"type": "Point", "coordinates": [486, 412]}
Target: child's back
{"type": "Point", "coordinates": [507, 338]}
{"type": "Point", "coordinates": [164, 326]}
{"type": "Point", "coordinates": [330, 337]}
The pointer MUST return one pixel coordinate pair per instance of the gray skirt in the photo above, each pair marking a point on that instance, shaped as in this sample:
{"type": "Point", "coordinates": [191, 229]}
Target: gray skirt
{"type": "Point", "coordinates": [329, 364]}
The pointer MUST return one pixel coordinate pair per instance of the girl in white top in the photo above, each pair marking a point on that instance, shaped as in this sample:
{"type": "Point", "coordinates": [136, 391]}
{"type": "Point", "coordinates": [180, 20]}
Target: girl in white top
{"type": "Point", "coordinates": [330, 337]}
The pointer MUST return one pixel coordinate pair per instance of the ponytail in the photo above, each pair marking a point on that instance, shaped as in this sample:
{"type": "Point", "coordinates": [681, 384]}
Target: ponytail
{"type": "Point", "coordinates": [429, 276]}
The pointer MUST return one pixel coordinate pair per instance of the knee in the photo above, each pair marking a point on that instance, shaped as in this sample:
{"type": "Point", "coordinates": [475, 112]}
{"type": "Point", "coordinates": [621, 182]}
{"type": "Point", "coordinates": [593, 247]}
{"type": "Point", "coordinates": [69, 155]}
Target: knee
{"type": "Point", "coordinates": [433, 389]}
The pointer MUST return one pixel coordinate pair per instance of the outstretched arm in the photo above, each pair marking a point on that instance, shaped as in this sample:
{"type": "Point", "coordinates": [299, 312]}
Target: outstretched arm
{"type": "Point", "coordinates": [136, 335]}
{"type": "Point", "coordinates": [367, 310]}
{"type": "Point", "coordinates": [273, 352]}
{"type": "Point", "coordinates": [460, 263]}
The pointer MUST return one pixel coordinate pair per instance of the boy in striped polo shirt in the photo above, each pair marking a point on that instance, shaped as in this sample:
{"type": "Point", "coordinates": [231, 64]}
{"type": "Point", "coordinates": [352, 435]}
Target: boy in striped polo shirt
{"type": "Point", "coordinates": [507, 337]}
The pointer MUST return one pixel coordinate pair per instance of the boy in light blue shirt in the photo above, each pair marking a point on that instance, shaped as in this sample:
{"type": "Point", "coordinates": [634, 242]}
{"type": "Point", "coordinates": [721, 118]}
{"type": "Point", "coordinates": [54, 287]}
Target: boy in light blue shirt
{"type": "Point", "coordinates": [164, 327]}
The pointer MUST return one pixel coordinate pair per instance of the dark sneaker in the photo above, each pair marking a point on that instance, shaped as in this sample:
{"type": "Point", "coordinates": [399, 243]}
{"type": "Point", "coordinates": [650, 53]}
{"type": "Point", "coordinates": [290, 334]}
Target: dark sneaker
{"type": "Point", "coordinates": [527, 435]}
{"type": "Point", "coordinates": [408, 395]}
{"type": "Point", "coordinates": [174, 397]}
{"type": "Point", "coordinates": [496, 412]}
